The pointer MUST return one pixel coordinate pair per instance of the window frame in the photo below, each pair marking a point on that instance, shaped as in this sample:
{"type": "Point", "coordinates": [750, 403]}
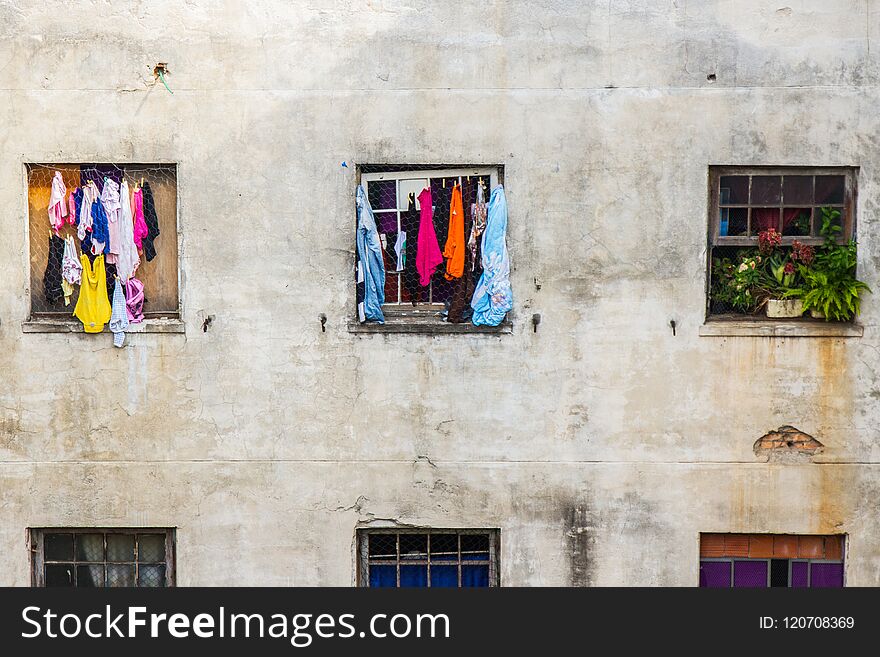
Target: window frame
{"type": "Point", "coordinates": [363, 560]}
{"type": "Point", "coordinates": [790, 560]}
{"type": "Point", "coordinates": [848, 218]}
{"type": "Point", "coordinates": [493, 172]}
{"type": "Point", "coordinates": [36, 549]}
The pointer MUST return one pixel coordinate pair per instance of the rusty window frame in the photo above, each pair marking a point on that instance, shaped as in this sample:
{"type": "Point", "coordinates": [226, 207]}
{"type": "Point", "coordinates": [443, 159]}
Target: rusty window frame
{"type": "Point", "coordinates": [364, 562]}
{"type": "Point", "coordinates": [36, 548]}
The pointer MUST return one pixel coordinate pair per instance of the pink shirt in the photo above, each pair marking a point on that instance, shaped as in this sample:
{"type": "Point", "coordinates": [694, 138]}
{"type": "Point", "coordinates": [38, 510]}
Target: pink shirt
{"type": "Point", "coordinates": [428, 255]}
{"type": "Point", "coordinates": [140, 226]}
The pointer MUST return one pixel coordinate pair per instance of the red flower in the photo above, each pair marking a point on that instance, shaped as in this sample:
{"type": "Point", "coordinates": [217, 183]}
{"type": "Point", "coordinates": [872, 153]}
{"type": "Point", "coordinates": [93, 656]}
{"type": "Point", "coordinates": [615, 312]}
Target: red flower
{"type": "Point", "coordinates": [802, 252]}
{"type": "Point", "coordinates": [789, 268]}
{"type": "Point", "coordinates": [768, 240]}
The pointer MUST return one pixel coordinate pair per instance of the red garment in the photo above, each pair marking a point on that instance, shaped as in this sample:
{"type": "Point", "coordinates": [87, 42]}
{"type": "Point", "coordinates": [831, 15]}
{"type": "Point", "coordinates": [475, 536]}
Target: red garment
{"type": "Point", "coordinates": [764, 218]}
{"type": "Point", "coordinates": [428, 256]}
{"type": "Point", "coordinates": [455, 244]}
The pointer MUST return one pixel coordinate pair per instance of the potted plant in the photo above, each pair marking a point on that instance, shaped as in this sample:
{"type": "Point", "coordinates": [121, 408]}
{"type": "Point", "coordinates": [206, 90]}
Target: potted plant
{"type": "Point", "coordinates": [830, 287]}
{"type": "Point", "coordinates": [781, 277]}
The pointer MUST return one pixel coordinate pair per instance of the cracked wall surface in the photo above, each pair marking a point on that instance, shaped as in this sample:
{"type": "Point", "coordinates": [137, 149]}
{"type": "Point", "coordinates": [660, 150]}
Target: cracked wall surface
{"type": "Point", "coordinates": [598, 443]}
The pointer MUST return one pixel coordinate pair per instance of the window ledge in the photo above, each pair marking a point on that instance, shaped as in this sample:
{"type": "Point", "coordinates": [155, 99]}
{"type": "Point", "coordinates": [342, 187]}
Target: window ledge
{"type": "Point", "coordinates": [425, 326]}
{"type": "Point", "coordinates": [768, 328]}
{"type": "Point", "coordinates": [74, 326]}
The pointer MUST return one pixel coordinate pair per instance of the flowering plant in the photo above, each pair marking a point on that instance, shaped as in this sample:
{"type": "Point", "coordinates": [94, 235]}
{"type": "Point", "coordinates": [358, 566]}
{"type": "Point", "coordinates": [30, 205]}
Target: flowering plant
{"type": "Point", "coordinates": [768, 240]}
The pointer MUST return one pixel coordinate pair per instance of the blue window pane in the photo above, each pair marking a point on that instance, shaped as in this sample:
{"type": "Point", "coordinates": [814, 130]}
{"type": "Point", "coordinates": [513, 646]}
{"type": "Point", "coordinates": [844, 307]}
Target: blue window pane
{"type": "Point", "coordinates": [414, 576]}
{"type": "Point", "coordinates": [715, 574]}
{"type": "Point", "coordinates": [444, 576]}
{"type": "Point", "coordinates": [383, 576]}
{"type": "Point", "coordinates": [477, 576]}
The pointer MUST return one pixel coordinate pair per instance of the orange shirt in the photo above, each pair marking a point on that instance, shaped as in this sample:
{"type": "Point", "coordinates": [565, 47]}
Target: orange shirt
{"type": "Point", "coordinates": [455, 244]}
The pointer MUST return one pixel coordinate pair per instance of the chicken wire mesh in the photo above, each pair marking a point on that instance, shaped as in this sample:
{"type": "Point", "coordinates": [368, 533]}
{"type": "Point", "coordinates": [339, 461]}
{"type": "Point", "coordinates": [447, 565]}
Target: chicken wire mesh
{"type": "Point", "coordinates": [449, 227]}
{"type": "Point", "coordinates": [64, 185]}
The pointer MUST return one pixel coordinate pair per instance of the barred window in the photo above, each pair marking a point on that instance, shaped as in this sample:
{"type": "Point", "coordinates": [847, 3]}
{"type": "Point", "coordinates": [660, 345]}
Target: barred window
{"type": "Point", "coordinates": [395, 196]}
{"type": "Point", "coordinates": [51, 296]}
{"type": "Point", "coordinates": [428, 558]}
{"type": "Point", "coordinates": [771, 560]}
{"type": "Point", "coordinates": [789, 206]}
{"type": "Point", "coordinates": [89, 557]}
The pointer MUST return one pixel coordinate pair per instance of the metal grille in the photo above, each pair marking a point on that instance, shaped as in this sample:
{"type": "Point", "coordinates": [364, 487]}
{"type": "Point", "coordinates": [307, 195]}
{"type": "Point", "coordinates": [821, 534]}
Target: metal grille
{"type": "Point", "coordinates": [90, 558]}
{"type": "Point", "coordinates": [436, 558]}
{"type": "Point", "coordinates": [396, 194]}
{"type": "Point", "coordinates": [157, 270]}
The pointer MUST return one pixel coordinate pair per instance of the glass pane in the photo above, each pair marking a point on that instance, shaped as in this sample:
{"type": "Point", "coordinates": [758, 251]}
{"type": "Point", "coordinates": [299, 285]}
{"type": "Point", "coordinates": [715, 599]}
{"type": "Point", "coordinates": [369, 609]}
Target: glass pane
{"type": "Point", "coordinates": [444, 547]}
{"type": "Point", "coordinates": [120, 547]}
{"type": "Point", "coordinates": [90, 547]}
{"type": "Point", "coordinates": [797, 190]}
{"type": "Point", "coordinates": [383, 576]}
{"type": "Point", "coordinates": [413, 546]}
{"type": "Point", "coordinates": [826, 575]}
{"type": "Point", "coordinates": [119, 575]}
{"type": "Point", "coordinates": [414, 576]}
{"type": "Point", "coordinates": [838, 220]}
{"type": "Point", "coordinates": [766, 190]}
{"type": "Point", "coordinates": [799, 574]}
{"type": "Point", "coordinates": [151, 547]}
{"type": "Point", "coordinates": [90, 576]}
{"type": "Point", "coordinates": [734, 189]}
{"type": "Point", "coordinates": [715, 574]}
{"type": "Point", "coordinates": [474, 547]}
{"type": "Point", "coordinates": [386, 222]}
{"type": "Point", "coordinates": [475, 576]}
{"type": "Point", "coordinates": [382, 546]}
{"type": "Point", "coordinates": [796, 221]}
{"type": "Point", "coordinates": [151, 576]}
{"type": "Point", "coordinates": [444, 576]}
{"type": "Point", "coordinates": [58, 574]}
{"type": "Point", "coordinates": [829, 189]}
{"type": "Point", "coordinates": [58, 547]}
{"type": "Point", "coordinates": [750, 574]}
{"type": "Point", "coordinates": [764, 218]}
{"type": "Point", "coordinates": [382, 194]}
{"type": "Point", "coordinates": [738, 222]}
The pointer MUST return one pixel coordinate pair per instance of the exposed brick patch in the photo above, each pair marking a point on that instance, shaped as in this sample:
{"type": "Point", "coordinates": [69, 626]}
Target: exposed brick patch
{"type": "Point", "coordinates": [787, 443]}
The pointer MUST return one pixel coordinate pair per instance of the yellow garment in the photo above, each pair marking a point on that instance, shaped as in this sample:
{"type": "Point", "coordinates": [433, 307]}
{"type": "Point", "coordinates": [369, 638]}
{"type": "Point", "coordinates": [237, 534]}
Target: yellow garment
{"type": "Point", "coordinates": [93, 306]}
{"type": "Point", "coordinates": [67, 288]}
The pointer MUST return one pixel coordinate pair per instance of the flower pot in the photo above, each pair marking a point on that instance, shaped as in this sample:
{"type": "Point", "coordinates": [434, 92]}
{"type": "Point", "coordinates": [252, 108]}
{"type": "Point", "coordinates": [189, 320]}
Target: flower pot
{"type": "Point", "coordinates": [785, 308]}
{"type": "Point", "coordinates": [816, 314]}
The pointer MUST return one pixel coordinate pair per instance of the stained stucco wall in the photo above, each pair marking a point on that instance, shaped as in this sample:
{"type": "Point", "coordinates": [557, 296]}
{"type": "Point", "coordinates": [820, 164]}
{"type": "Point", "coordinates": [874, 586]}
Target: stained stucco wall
{"type": "Point", "coordinates": [600, 445]}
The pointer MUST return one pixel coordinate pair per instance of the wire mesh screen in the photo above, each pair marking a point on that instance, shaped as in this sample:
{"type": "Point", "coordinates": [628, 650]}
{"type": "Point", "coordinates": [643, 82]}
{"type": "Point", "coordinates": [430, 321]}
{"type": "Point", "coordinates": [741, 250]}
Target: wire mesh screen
{"type": "Point", "coordinates": [430, 220]}
{"type": "Point", "coordinates": [152, 189]}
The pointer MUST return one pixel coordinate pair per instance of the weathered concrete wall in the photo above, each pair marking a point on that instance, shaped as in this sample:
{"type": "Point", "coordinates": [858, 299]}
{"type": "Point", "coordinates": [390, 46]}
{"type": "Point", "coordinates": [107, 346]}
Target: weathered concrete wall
{"type": "Point", "coordinates": [600, 445]}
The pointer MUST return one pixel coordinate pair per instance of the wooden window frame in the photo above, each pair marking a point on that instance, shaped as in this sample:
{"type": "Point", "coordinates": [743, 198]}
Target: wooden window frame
{"type": "Point", "coordinates": [36, 547]}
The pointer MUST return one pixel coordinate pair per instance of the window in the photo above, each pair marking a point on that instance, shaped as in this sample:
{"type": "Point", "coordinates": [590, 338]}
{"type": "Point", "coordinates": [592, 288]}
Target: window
{"type": "Point", "coordinates": [394, 195]}
{"type": "Point", "coordinates": [767, 560]}
{"type": "Point", "coordinates": [157, 271]}
{"type": "Point", "coordinates": [102, 557]}
{"type": "Point", "coordinates": [428, 558]}
{"type": "Point", "coordinates": [745, 202]}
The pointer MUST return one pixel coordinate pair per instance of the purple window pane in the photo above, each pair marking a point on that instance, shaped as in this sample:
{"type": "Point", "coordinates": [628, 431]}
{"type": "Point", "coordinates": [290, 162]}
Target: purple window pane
{"type": "Point", "coordinates": [826, 575]}
{"type": "Point", "coordinates": [382, 194]}
{"type": "Point", "coordinates": [799, 574]}
{"type": "Point", "coordinates": [386, 222]}
{"type": "Point", "coordinates": [750, 574]}
{"type": "Point", "coordinates": [715, 574]}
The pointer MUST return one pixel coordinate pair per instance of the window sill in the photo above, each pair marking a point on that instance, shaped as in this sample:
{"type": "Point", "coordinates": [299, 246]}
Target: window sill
{"type": "Point", "coordinates": [425, 326]}
{"type": "Point", "coordinates": [74, 326]}
{"type": "Point", "coordinates": [775, 328]}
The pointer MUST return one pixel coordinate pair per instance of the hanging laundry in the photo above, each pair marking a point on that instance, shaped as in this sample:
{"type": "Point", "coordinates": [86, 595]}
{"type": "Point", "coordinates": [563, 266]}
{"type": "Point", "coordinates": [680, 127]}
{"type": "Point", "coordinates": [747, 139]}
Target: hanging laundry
{"type": "Point", "coordinates": [152, 221]}
{"type": "Point", "coordinates": [52, 288]}
{"type": "Point", "coordinates": [118, 315]}
{"type": "Point", "coordinates": [409, 224]}
{"type": "Point", "coordinates": [71, 269]}
{"type": "Point", "coordinates": [57, 203]}
{"type": "Point", "coordinates": [372, 266]}
{"type": "Point", "coordinates": [493, 297]}
{"type": "Point", "coordinates": [455, 244]}
{"type": "Point", "coordinates": [100, 238]}
{"type": "Point", "coordinates": [360, 290]}
{"type": "Point", "coordinates": [462, 289]}
{"type": "Point", "coordinates": [400, 250]}
{"type": "Point", "coordinates": [134, 300]}
{"type": "Point", "coordinates": [72, 205]}
{"type": "Point", "coordinates": [140, 226]}
{"type": "Point", "coordinates": [93, 306]}
{"type": "Point", "coordinates": [428, 256]}
{"type": "Point", "coordinates": [87, 196]}
{"type": "Point", "coordinates": [112, 208]}
{"type": "Point", "coordinates": [478, 215]}
{"type": "Point", "coordinates": [127, 259]}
